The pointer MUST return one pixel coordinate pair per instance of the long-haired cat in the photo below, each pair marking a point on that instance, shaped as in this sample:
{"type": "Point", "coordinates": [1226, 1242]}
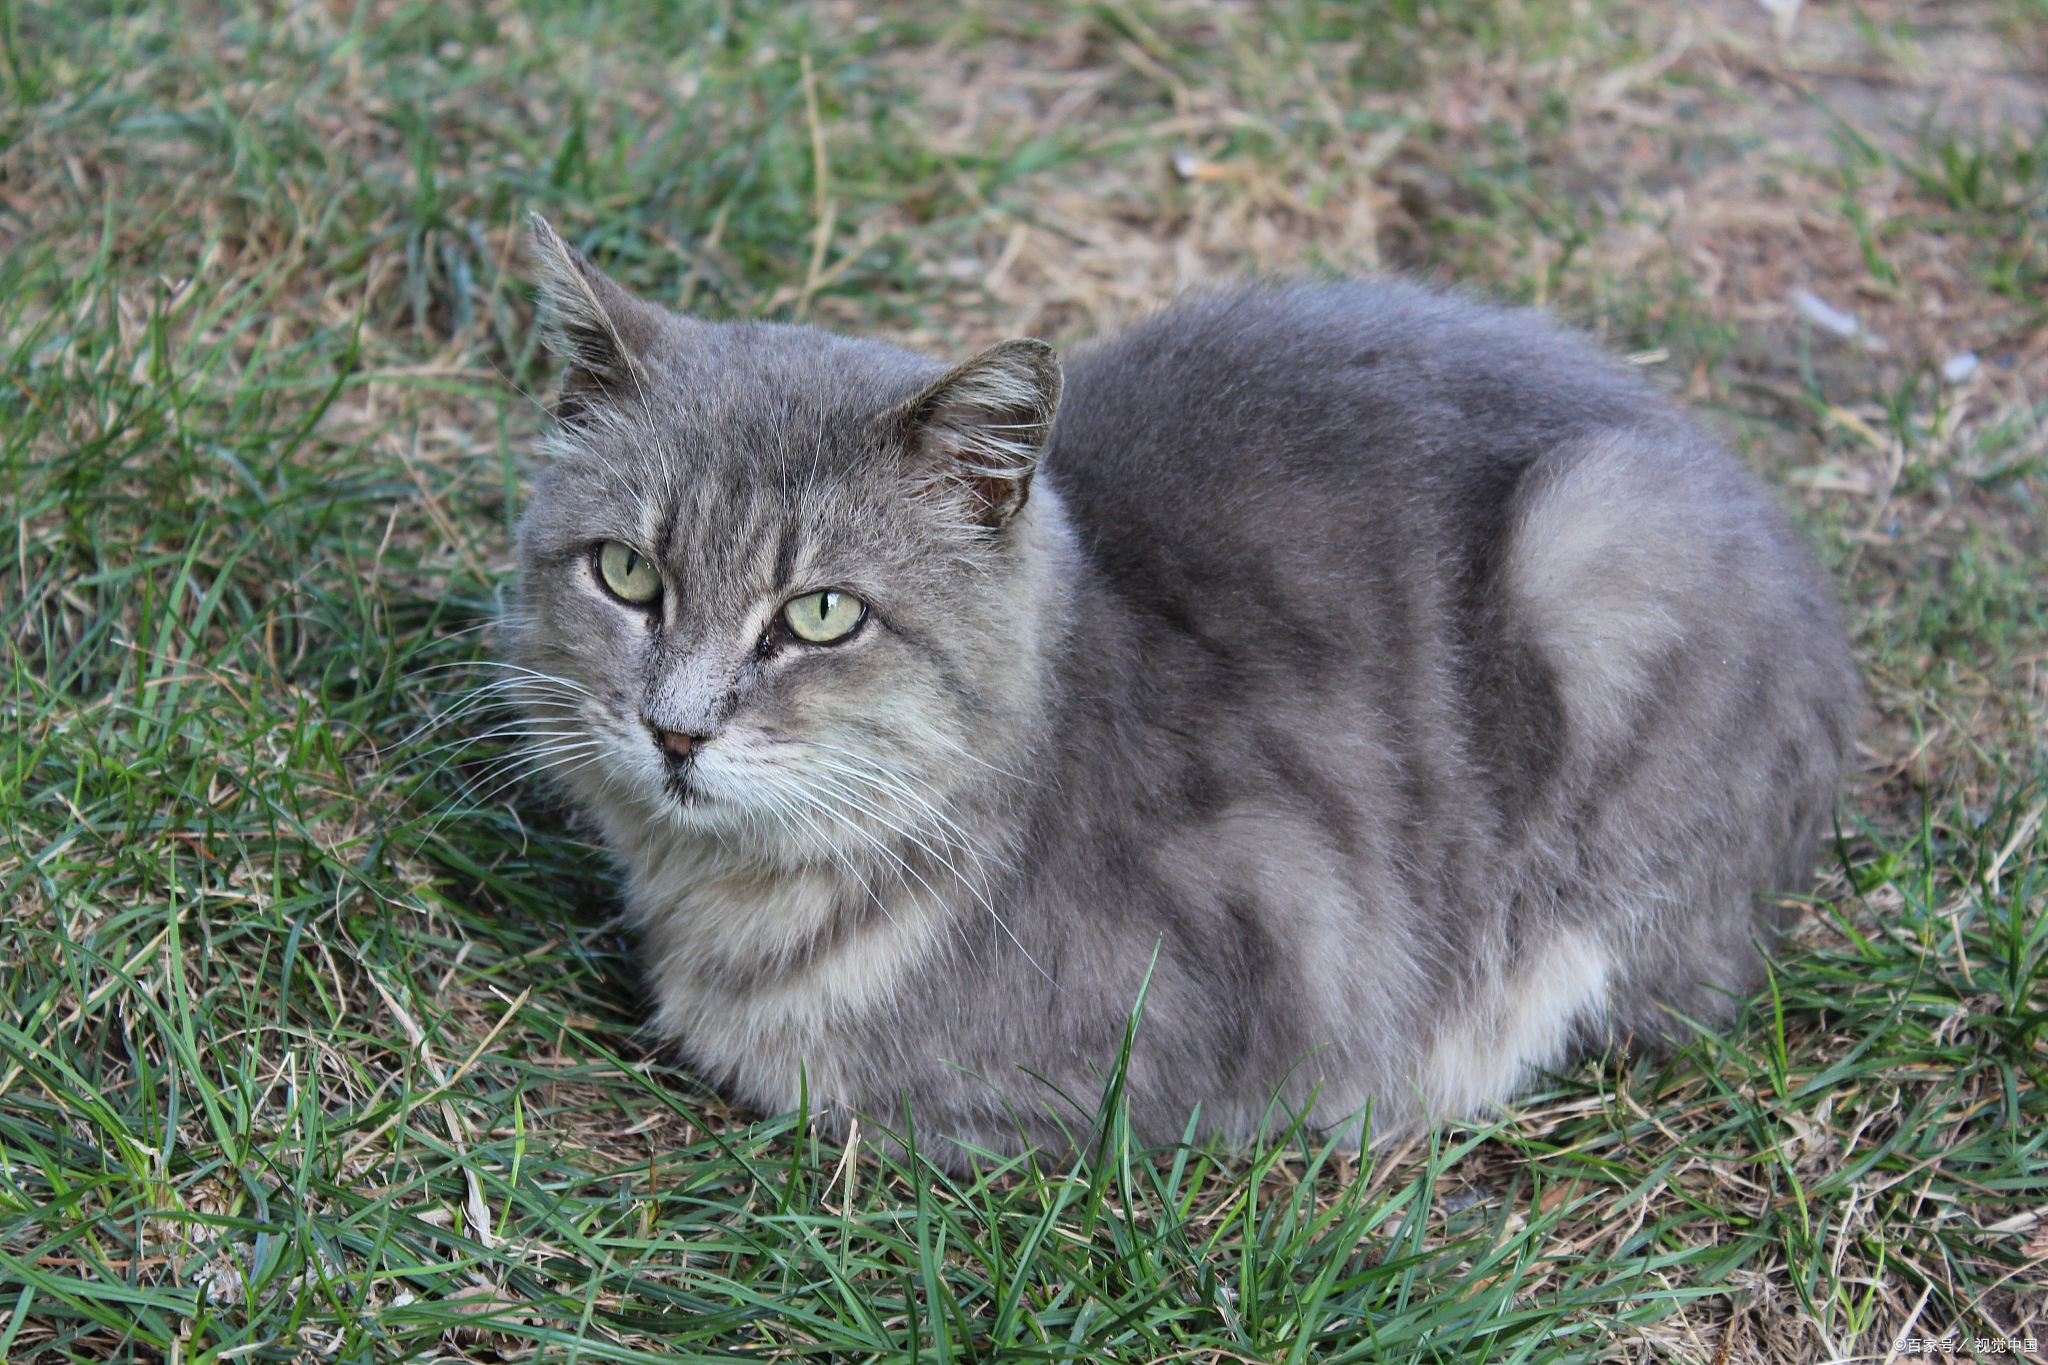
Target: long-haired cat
{"type": "Point", "coordinates": [1415, 695]}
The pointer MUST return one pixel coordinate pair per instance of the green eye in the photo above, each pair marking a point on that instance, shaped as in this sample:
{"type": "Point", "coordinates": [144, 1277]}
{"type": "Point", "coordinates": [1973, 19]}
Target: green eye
{"type": "Point", "coordinates": [823, 617]}
{"type": "Point", "coordinates": [631, 578]}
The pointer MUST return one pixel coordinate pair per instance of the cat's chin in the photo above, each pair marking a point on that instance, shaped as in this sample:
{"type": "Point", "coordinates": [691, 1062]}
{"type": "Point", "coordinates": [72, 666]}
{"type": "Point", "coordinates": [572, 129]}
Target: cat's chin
{"type": "Point", "coordinates": [684, 793]}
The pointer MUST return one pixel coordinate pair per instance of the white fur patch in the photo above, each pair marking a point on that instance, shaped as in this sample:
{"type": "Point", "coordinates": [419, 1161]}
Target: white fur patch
{"type": "Point", "coordinates": [1497, 1048]}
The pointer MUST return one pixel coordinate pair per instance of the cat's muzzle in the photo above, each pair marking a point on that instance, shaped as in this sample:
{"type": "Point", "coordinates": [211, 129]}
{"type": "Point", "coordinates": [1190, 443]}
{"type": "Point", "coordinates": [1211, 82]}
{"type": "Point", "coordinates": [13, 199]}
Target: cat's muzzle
{"type": "Point", "coordinates": [679, 755]}
{"type": "Point", "coordinates": [677, 746]}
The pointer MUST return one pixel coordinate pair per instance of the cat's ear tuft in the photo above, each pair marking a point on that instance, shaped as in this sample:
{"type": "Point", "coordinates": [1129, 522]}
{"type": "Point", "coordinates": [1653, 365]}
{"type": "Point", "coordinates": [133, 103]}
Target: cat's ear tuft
{"type": "Point", "coordinates": [982, 426]}
{"type": "Point", "coordinates": [601, 332]}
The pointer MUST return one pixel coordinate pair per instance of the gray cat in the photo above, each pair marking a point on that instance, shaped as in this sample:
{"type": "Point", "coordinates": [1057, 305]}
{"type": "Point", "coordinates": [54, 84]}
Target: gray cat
{"type": "Point", "coordinates": [1414, 694]}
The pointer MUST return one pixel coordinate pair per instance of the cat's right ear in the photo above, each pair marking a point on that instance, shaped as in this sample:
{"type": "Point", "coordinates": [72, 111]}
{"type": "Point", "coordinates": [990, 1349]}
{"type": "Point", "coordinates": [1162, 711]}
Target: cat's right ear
{"type": "Point", "coordinates": [978, 431]}
{"type": "Point", "coordinates": [599, 330]}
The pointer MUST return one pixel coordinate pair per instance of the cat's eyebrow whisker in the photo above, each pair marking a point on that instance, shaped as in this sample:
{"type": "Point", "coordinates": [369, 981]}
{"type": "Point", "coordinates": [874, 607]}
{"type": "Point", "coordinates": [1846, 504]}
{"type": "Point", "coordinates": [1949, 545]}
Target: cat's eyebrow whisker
{"type": "Point", "coordinates": [613, 469]}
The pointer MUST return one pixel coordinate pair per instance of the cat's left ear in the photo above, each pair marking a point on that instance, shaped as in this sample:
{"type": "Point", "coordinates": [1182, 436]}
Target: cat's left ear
{"type": "Point", "coordinates": [601, 332]}
{"type": "Point", "coordinates": [982, 426]}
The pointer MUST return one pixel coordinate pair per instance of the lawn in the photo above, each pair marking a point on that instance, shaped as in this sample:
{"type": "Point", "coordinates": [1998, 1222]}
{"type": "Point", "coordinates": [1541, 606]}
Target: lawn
{"type": "Point", "coordinates": [318, 1032]}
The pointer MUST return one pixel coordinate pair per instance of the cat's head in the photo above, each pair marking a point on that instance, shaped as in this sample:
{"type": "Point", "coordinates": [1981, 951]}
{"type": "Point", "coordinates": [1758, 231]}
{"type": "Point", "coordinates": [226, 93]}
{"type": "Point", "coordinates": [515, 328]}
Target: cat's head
{"type": "Point", "coordinates": [777, 586]}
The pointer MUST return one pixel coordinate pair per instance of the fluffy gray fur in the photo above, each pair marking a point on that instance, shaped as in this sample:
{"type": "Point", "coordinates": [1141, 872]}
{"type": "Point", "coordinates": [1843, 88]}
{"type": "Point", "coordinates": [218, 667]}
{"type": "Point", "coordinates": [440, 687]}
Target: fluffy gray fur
{"type": "Point", "coordinates": [1431, 697]}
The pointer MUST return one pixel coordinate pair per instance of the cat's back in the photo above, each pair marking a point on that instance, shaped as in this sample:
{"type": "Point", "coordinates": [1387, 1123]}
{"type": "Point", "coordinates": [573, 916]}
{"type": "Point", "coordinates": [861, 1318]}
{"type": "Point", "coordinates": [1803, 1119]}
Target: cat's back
{"type": "Point", "coordinates": [1454, 522]}
{"type": "Point", "coordinates": [1256, 421]}
{"type": "Point", "coordinates": [1309, 469]}
{"type": "Point", "coordinates": [1287, 378]}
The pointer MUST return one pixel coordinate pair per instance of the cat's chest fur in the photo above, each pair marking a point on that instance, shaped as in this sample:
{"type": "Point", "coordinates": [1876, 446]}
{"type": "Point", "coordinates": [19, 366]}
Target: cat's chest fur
{"type": "Point", "coordinates": [1391, 690]}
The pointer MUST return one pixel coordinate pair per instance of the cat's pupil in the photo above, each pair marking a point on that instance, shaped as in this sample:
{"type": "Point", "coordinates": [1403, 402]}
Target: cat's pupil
{"type": "Point", "coordinates": [827, 601]}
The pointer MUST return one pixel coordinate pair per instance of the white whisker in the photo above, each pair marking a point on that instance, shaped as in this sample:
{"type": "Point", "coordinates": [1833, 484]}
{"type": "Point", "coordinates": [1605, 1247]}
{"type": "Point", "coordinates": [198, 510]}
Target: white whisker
{"type": "Point", "coordinates": [915, 838]}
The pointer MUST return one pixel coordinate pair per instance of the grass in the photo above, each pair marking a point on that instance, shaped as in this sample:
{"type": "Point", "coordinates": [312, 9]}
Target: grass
{"type": "Point", "coordinates": [317, 1038]}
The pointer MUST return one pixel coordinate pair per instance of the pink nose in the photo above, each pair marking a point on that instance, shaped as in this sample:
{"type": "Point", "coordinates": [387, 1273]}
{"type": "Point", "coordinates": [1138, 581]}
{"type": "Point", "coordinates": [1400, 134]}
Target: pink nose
{"type": "Point", "coordinates": [677, 744]}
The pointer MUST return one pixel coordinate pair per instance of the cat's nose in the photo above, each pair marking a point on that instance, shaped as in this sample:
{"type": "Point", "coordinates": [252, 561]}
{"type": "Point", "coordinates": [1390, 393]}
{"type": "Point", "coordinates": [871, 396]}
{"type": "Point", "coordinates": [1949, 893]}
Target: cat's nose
{"type": "Point", "coordinates": [677, 744]}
